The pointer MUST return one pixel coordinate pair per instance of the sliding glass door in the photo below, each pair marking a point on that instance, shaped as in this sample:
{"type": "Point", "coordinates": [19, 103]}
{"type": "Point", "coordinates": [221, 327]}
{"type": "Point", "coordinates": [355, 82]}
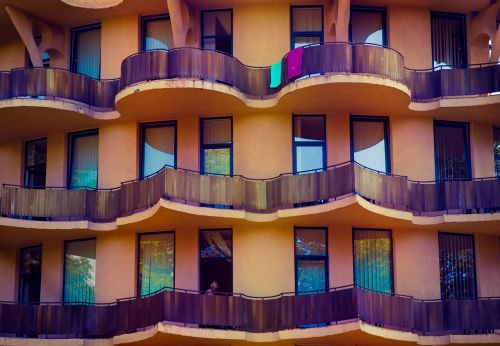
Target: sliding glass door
{"type": "Point", "coordinates": [86, 50]}
{"type": "Point", "coordinates": [79, 271]}
{"type": "Point", "coordinates": [449, 42]}
{"type": "Point", "coordinates": [452, 152]}
{"type": "Point", "coordinates": [30, 274]}
{"type": "Point", "coordinates": [83, 159]}
{"type": "Point", "coordinates": [216, 260]}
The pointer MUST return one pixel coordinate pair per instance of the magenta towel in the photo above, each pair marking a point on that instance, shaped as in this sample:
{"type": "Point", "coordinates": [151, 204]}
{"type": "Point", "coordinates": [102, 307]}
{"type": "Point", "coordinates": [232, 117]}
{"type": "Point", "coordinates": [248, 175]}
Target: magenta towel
{"type": "Point", "coordinates": [295, 62]}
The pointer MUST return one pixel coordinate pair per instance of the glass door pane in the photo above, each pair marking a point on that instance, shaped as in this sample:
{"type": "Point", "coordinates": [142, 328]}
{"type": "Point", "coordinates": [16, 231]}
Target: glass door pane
{"type": "Point", "coordinates": [368, 25]}
{"type": "Point", "coordinates": [35, 163]}
{"type": "Point", "coordinates": [79, 271]}
{"type": "Point", "coordinates": [158, 147]}
{"type": "Point", "coordinates": [86, 51]}
{"type": "Point", "coordinates": [451, 142]}
{"type": "Point", "coordinates": [370, 145]}
{"type": "Point", "coordinates": [449, 48]}
{"type": "Point", "coordinates": [30, 274]}
{"type": "Point", "coordinates": [84, 152]}
{"type": "Point", "coordinates": [216, 260]}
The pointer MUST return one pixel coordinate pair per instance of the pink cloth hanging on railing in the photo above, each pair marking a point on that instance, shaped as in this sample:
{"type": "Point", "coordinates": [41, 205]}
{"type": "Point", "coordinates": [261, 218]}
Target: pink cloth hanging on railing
{"type": "Point", "coordinates": [294, 63]}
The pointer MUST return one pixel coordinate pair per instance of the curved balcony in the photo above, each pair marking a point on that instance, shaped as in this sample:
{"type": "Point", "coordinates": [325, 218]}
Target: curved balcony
{"type": "Point", "coordinates": [257, 196]}
{"type": "Point", "coordinates": [251, 314]}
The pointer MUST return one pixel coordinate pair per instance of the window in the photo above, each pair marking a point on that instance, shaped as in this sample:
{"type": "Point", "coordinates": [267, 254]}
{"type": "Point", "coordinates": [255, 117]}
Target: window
{"type": "Point", "coordinates": [373, 259]}
{"type": "Point", "coordinates": [156, 262]}
{"type": "Point", "coordinates": [306, 25]}
{"type": "Point", "coordinates": [157, 32]}
{"type": "Point", "coordinates": [158, 148]}
{"type": "Point", "coordinates": [368, 25]}
{"type": "Point", "coordinates": [35, 163]}
{"type": "Point", "coordinates": [370, 143]}
{"type": "Point", "coordinates": [311, 260]}
{"type": "Point", "coordinates": [216, 146]}
{"type": "Point", "coordinates": [30, 274]}
{"type": "Point", "coordinates": [452, 154]}
{"type": "Point", "coordinates": [79, 271]}
{"type": "Point", "coordinates": [449, 44]}
{"type": "Point", "coordinates": [496, 150]}
{"type": "Point", "coordinates": [83, 159]}
{"type": "Point", "coordinates": [216, 259]}
{"type": "Point", "coordinates": [309, 143]}
{"type": "Point", "coordinates": [457, 266]}
{"type": "Point", "coordinates": [86, 50]}
{"type": "Point", "coordinates": [217, 30]}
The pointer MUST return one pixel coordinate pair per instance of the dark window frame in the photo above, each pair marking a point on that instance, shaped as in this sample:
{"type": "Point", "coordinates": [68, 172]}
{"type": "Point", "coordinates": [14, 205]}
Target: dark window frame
{"type": "Point", "coordinates": [66, 242]}
{"type": "Point", "coordinates": [391, 252]}
{"type": "Point", "coordinates": [71, 139]}
{"type": "Point", "coordinates": [455, 124]}
{"type": "Point", "coordinates": [143, 128]}
{"type": "Point", "coordinates": [21, 251]}
{"type": "Point", "coordinates": [144, 22]}
{"type": "Point", "coordinates": [370, 9]}
{"type": "Point", "coordinates": [200, 232]}
{"type": "Point", "coordinates": [325, 258]}
{"type": "Point", "coordinates": [202, 29]}
{"type": "Point", "coordinates": [295, 34]}
{"type": "Point", "coordinates": [473, 254]}
{"type": "Point", "coordinates": [296, 144]}
{"type": "Point", "coordinates": [215, 146]}
{"type": "Point", "coordinates": [385, 120]}
{"type": "Point", "coordinates": [462, 17]}
{"type": "Point", "coordinates": [496, 157]}
{"type": "Point", "coordinates": [25, 176]}
{"type": "Point", "coordinates": [74, 44]}
{"type": "Point", "coordinates": [138, 253]}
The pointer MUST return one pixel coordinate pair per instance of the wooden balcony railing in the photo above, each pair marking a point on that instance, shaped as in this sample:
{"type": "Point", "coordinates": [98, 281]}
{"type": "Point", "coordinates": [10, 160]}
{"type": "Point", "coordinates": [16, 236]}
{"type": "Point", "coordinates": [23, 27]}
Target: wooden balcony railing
{"type": "Point", "coordinates": [260, 196]}
{"type": "Point", "coordinates": [336, 57]}
{"type": "Point", "coordinates": [240, 312]}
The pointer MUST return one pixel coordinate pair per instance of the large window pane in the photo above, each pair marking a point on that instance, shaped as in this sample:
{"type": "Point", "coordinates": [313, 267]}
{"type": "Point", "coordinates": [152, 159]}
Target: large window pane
{"type": "Point", "coordinates": [370, 145]}
{"type": "Point", "coordinates": [368, 25]}
{"type": "Point", "coordinates": [35, 163]}
{"type": "Point", "coordinates": [216, 146]}
{"type": "Point", "coordinates": [30, 274]}
{"type": "Point", "coordinates": [158, 147]}
{"type": "Point", "coordinates": [156, 262]}
{"type": "Point", "coordinates": [311, 259]}
{"type": "Point", "coordinates": [306, 25]}
{"type": "Point", "coordinates": [157, 33]}
{"type": "Point", "coordinates": [456, 266]}
{"type": "Point", "coordinates": [217, 30]}
{"type": "Point", "coordinates": [83, 162]}
{"type": "Point", "coordinates": [309, 143]}
{"type": "Point", "coordinates": [79, 271]}
{"type": "Point", "coordinates": [496, 150]}
{"type": "Point", "coordinates": [373, 259]}
{"type": "Point", "coordinates": [452, 150]}
{"type": "Point", "coordinates": [449, 48]}
{"type": "Point", "coordinates": [86, 51]}
{"type": "Point", "coordinates": [216, 259]}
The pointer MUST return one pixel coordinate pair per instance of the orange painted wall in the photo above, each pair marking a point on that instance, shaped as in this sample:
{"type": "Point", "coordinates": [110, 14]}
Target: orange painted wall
{"type": "Point", "coordinates": [8, 274]}
{"type": "Point", "coordinates": [488, 265]}
{"type": "Point", "coordinates": [186, 258]}
{"type": "Point", "coordinates": [56, 159]}
{"type": "Point", "coordinates": [263, 258]}
{"type": "Point", "coordinates": [11, 162]}
{"type": "Point", "coordinates": [412, 147]}
{"type": "Point", "coordinates": [416, 263]}
{"type": "Point", "coordinates": [482, 159]}
{"type": "Point", "coordinates": [12, 55]}
{"type": "Point", "coordinates": [51, 289]}
{"type": "Point", "coordinates": [261, 32]}
{"type": "Point", "coordinates": [338, 140]}
{"type": "Point", "coordinates": [118, 153]}
{"type": "Point", "coordinates": [188, 139]}
{"type": "Point", "coordinates": [119, 39]}
{"type": "Point", "coordinates": [410, 27]}
{"type": "Point", "coordinates": [116, 263]}
{"type": "Point", "coordinates": [340, 255]}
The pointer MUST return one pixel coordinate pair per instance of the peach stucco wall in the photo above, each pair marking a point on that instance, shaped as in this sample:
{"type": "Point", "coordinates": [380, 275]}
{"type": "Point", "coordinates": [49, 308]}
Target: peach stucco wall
{"type": "Point", "coordinates": [410, 27]}
{"type": "Point", "coordinates": [118, 147]}
{"type": "Point", "coordinates": [11, 155]}
{"type": "Point", "coordinates": [412, 147]}
{"type": "Point", "coordinates": [261, 34]}
{"type": "Point", "coordinates": [488, 265]}
{"type": "Point", "coordinates": [51, 289]}
{"type": "Point", "coordinates": [416, 263]}
{"type": "Point", "coordinates": [119, 39]}
{"type": "Point", "coordinates": [115, 266]}
{"type": "Point", "coordinates": [8, 276]}
{"type": "Point", "coordinates": [186, 258]}
{"type": "Point", "coordinates": [12, 55]}
{"type": "Point", "coordinates": [482, 160]}
{"type": "Point", "coordinates": [188, 139]}
{"type": "Point", "coordinates": [338, 141]}
{"type": "Point", "coordinates": [56, 159]}
{"type": "Point", "coordinates": [340, 255]}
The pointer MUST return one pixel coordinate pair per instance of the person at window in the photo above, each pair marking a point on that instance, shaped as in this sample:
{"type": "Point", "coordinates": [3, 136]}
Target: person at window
{"type": "Point", "coordinates": [214, 286]}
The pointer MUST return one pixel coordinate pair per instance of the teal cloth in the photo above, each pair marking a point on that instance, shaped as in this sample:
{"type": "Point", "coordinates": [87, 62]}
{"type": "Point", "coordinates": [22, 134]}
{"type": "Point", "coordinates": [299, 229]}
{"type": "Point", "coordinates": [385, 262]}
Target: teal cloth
{"type": "Point", "coordinates": [275, 75]}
